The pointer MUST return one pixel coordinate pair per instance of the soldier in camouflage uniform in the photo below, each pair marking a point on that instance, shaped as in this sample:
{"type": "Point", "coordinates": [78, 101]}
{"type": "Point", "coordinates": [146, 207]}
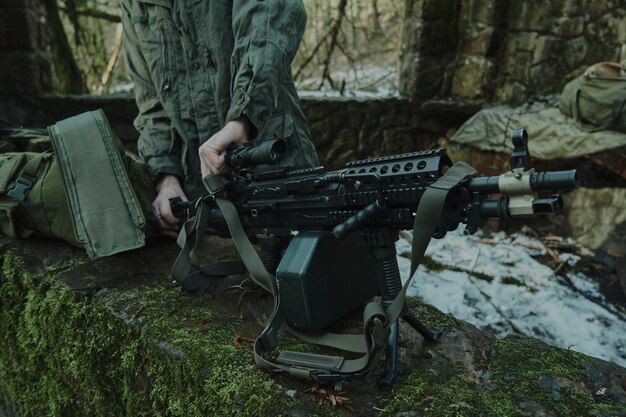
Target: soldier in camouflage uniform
{"type": "Point", "coordinates": [209, 73]}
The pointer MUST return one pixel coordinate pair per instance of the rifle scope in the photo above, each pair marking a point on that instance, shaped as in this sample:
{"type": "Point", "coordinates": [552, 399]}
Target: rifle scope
{"type": "Point", "coordinates": [250, 155]}
{"type": "Point", "coordinates": [539, 181]}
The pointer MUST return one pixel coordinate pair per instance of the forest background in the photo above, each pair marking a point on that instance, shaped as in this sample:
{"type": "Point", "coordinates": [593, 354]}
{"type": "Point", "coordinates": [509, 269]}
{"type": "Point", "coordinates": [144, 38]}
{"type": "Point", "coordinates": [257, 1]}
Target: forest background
{"type": "Point", "coordinates": [349, 47]}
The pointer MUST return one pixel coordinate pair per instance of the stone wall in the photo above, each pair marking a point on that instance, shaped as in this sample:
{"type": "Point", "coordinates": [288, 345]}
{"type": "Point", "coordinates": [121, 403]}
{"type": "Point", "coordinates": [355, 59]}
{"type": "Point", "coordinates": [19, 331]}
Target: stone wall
{"type": "Point", "coordinates": [505, 50]}
{"type": "Point", "coordinates": [34, 53]}
{"type": "Point", "coordinates": [342, 129]}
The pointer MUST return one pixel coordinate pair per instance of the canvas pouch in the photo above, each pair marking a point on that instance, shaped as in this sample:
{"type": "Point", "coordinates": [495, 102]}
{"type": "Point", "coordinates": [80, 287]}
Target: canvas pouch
{"type": "Point", "coordinates": [85, 191]}
{"type": "Point", "coordinates": [597, 98]}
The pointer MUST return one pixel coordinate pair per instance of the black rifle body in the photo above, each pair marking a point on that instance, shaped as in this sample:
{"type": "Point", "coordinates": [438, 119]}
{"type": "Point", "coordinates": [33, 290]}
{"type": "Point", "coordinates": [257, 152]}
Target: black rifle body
{"type": "Point", "coordinates": [379, 194]}
{"type": "Point", "coordinates": [300, 218]}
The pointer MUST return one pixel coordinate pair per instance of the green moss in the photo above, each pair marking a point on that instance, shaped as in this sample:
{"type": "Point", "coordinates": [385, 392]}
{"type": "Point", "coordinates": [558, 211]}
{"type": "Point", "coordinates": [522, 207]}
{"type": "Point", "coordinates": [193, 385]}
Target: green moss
{"type": "Point", "coordinates": [436, 266]}
{"type": "Point", "coordinates": [520, 379]}
{"type": "Point", "coordinates": [68, 355]}
{"type": "Point", "coordinates": [431, 316]}
{"type": "Point", "coordinates": [497, 404]}
{"type": "Point", "coordinates": [437, 391]}
{"type": "Point", "coordinates": [512, 281]}
{"type": "Point", "coordinates": [231, 256]}
{"type": "Point", "coordinates": [433, 265]}
{"type": "Point", "coordinates": [443, 389]}
{"type": "Point", "coordinates": [159, 352]}
{"type": "Point", "coordinates": [512, 376]}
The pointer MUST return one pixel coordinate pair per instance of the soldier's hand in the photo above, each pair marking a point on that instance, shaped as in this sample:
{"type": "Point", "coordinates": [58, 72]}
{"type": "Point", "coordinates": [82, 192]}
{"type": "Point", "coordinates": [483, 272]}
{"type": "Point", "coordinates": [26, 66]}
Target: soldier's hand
{"type": "Point", "coordinates": [168, 186]}
{"type": "Point", "coordinates": [213, 151]}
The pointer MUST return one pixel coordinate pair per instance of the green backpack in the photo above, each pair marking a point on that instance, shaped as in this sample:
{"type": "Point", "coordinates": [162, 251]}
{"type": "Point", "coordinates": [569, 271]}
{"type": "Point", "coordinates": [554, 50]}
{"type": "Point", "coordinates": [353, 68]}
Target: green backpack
{"type": "Point", "coordinates": [597, 98]}
{"type": "Point", "coordinates": [87, 191]}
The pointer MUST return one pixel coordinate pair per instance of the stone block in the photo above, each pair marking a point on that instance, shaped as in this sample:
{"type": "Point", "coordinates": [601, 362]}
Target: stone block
{"type": "Point", "coordinates": [439, 9]}
{"type": "Point", "coordinates": [438, 37]}
{"type": "Point", "coordinates": [522, 41]}
{"type": "Point", "coordinates": [477, 14]}
{"type": "Point", "coordinates": [608, 28]}
{"type": "Point", "coordinates": [479, 42]}
{"type": "Point", "coordinates": [22, 69]}
{"type": "Point", "coordinates": [14, 29]}
{"type": "Point", "coordinates": [574, 52]}
{"type": "Point", "coordinates": [568, 27]}
{"type": "Point", "coordinates": [429, 80]}
{"type": "Point", "coordinates": [546, 78]}
{"type": "Point", "coordinates": [471, 78]}
{"type": "Point", "coordinates": [597, 9]}
{"type": "Point", "coordinates": [510, 91]}
{"type": "Point", "coordinates": [547, 47]}
{"type": "Point", "coordinates": [533, 15]}
{"type": "Point", "coordinates": [599, 51]}
{"type": "Point", "coordinates": [517, 66]}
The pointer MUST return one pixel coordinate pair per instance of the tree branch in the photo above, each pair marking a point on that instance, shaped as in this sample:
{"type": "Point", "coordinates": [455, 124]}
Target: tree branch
{"type": "Point", "coordinates": [96, 14]}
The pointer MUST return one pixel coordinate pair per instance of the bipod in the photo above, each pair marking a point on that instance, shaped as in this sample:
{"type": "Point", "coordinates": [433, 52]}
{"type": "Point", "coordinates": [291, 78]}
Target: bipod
{"type": "Point", "coordinates": [390, 285]}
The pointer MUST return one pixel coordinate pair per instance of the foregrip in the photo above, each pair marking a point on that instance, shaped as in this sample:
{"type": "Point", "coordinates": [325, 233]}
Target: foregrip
{"type": "Point", "coordinates": [387, 272]}
{"type": "Point", "coordinates": [342, 230]}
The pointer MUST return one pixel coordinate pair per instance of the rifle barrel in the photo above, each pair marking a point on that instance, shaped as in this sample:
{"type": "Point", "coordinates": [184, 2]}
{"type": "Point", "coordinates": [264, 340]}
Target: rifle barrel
{"type": "Point", "coordinates": [540, 181]}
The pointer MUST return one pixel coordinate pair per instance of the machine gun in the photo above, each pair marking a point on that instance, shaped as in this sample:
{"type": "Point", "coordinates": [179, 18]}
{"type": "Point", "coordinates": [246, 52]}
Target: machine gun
{"type": "Point", "coordinates": [329, 237]}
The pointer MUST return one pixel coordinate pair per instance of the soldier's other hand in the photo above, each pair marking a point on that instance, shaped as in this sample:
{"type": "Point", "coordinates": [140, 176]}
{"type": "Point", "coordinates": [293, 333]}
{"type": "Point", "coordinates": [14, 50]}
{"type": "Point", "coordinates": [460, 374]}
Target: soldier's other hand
{"type": "Point", "coordinates": [213, 151]}
{"type": "Point", "coordinates": [168, 186]}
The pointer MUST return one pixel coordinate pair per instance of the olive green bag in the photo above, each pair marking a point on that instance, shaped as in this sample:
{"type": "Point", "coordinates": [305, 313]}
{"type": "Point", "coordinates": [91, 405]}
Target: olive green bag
{"type": "Point", "coordinates": [597, 98]}
{"type": "Point", "coordinates": [88, 191]}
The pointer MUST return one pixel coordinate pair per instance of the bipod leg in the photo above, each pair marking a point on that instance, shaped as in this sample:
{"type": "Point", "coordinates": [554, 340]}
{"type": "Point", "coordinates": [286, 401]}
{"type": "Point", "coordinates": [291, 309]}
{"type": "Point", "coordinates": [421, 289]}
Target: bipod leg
{"type": "Point", "coordinates": [389, 284]}
{"type": "Point", "coordinates": [388, 378]}
{"type": "Point", "coordinates": [431, 335]}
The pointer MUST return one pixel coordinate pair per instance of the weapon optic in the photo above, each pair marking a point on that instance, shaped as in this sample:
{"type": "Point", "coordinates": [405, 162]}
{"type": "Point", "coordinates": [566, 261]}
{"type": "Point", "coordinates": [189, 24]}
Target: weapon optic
{"type": "Point", "coordinates": [329, 237]}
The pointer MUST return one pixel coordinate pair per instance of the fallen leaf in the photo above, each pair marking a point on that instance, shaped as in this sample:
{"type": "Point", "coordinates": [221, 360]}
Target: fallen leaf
{"type": "Point", "coordinates": [334, 399]}
{"type": "Point", "coordinates": [238, 339]}
{"type": "Point", "coordinates": [201, 325]}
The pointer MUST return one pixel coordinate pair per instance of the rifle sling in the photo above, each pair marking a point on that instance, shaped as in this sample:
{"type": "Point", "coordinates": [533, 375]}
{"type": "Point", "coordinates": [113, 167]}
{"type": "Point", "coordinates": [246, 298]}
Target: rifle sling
{"type": "Point", "coordinates": [377, 320]}
{"type": "Point", "coordinates": [208, 277]}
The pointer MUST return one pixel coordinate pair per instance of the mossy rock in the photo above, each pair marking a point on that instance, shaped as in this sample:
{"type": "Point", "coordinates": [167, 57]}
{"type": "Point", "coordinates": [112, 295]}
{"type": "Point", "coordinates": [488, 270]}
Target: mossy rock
{"type": "Point", "coordinates": [116, 337]}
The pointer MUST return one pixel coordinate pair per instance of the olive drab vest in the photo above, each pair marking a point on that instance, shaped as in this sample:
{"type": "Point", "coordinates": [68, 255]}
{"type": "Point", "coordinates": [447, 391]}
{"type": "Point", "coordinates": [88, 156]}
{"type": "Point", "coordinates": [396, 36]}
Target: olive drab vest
{"type": "Point", "coordinates": [199, 64]}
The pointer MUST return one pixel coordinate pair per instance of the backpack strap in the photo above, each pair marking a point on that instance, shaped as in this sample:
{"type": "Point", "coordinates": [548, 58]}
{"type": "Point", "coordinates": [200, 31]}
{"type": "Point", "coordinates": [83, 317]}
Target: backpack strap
{"type": "Point", "coordinates": [27, 178]}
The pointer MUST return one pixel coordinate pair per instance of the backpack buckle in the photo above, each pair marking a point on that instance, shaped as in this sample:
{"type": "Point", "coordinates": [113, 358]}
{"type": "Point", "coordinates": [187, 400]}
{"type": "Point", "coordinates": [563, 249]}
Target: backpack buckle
{"type": "Point", "coordinates": [23, 184]}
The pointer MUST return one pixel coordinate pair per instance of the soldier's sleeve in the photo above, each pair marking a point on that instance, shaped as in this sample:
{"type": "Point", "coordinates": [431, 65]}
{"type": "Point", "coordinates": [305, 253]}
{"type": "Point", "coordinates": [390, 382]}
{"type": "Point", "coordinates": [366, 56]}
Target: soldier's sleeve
{"type": "Point", "coordinates": [267, 36]}
{"type": "Point", "coordinates": [156, 144]}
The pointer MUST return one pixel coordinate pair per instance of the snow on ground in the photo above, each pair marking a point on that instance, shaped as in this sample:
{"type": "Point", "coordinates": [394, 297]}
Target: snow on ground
{"type": "Point", "coordinates": [524, 295]}
{"type": "Point", "coordinates": [362, 81]}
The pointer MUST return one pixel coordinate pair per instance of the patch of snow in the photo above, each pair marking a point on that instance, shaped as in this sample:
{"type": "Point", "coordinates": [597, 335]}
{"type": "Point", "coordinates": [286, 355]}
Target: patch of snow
{"type": "Point", "coordinates": [347, 93]}
{"type": "Point", "coordinates": [523, 295]}
{"type": "Point", "coordinates": [365, 80]}
{"type": "Point", "coordinates": [121, 87]}
{"type": "Point", "coordinates": [586, 285]}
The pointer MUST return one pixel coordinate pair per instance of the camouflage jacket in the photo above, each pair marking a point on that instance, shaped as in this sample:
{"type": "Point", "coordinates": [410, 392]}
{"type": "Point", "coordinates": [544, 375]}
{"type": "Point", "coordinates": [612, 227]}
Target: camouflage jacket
{"type": "Point", "coordinates": [198, 64]}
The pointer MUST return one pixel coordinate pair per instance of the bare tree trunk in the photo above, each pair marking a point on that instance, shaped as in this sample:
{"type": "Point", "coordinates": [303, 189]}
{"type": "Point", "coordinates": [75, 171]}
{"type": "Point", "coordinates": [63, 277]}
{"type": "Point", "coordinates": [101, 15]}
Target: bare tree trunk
{"type": "Point", "coordinates": [334, 35]}
{"type": "Point", "coordinates": [376, 26]}
{"type": "Point", "coordinates": [65, 73]}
